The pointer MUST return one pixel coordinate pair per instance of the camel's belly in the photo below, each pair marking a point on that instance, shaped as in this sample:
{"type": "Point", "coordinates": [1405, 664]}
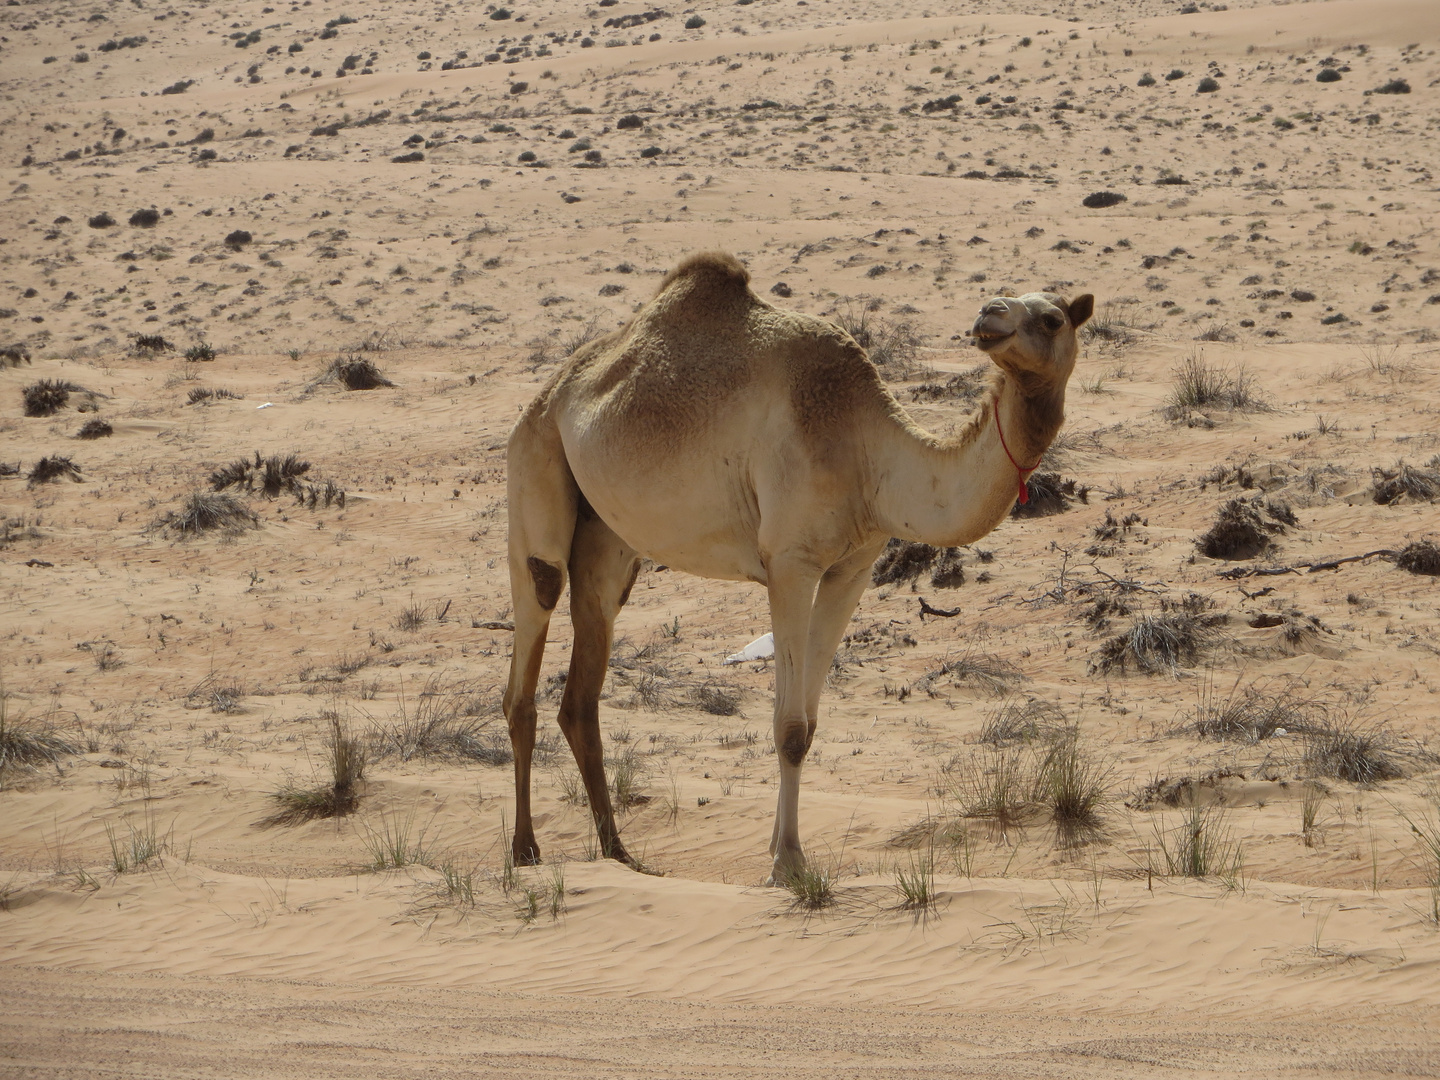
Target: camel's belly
{"type": "Point", "coordinates": [698, 521]}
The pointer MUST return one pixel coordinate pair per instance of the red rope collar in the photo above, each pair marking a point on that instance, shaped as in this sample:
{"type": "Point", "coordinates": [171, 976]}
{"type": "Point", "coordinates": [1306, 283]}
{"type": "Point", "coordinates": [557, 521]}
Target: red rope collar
{"type": "Point", "coordinates": [1020, 470]}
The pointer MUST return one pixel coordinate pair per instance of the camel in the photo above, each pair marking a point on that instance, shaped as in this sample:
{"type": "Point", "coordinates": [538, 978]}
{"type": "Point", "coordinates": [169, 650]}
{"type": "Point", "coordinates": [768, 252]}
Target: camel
{"type": "Point", "coordinates": [731, 439]}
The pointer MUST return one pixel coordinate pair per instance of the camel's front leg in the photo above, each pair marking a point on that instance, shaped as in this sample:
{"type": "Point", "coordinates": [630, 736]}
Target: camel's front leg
{"type": "Point", "coordinates": [792, 595]}
{"type": "Point", "coordinates": [835, 602]}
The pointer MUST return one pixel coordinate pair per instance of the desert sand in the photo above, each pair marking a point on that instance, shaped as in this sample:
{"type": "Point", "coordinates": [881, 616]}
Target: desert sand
{"type": "Point", "coordinates": [194, 262]}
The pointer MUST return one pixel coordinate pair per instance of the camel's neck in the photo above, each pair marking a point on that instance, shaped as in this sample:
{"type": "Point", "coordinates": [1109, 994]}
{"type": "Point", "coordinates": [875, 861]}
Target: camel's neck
{"type": "Point", "coordinates": [954, 491]}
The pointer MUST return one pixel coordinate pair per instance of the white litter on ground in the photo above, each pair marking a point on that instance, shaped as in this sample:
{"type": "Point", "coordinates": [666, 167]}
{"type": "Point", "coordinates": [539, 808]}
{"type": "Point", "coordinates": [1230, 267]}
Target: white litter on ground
{"type": "Point", "coordinates": [762, 648]}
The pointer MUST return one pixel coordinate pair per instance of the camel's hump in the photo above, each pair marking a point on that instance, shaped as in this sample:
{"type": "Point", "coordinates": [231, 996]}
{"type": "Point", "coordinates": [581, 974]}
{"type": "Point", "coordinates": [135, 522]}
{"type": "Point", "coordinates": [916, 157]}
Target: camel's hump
{"type": "Point", "coordinates": [716, 269]}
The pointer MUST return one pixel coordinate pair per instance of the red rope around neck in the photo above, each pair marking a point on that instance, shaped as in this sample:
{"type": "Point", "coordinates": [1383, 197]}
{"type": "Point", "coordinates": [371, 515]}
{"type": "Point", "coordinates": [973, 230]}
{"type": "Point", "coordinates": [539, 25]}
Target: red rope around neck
{"type": "Point", "coordinates": [1020, 470]}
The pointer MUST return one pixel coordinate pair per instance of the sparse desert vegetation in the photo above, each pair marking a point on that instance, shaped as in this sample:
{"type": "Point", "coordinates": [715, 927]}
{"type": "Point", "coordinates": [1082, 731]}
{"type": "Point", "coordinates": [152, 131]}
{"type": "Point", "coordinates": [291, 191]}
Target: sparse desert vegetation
{"type": "Point", "coordinates": [1162, 742]}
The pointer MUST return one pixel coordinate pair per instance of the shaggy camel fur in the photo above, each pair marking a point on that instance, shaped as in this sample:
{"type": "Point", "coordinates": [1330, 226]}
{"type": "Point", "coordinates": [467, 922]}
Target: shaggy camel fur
{"type": "Point", "coordinates": [731, 439]}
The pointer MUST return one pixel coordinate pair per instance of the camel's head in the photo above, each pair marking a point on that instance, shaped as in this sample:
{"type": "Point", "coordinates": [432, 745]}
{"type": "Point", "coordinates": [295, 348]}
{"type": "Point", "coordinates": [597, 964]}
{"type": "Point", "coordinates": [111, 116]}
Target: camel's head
{"type": "Point", "coordinates": [1033, 336]}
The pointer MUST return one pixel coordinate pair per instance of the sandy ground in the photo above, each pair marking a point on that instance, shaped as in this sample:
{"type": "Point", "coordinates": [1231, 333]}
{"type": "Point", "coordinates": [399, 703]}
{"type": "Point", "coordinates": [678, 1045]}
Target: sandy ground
{"type": "Point", "coordinates": [1279, 229]}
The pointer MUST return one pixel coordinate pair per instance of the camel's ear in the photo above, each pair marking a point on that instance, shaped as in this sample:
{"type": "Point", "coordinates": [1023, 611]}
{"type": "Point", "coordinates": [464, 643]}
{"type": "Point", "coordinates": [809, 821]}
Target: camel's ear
{"type": "Point", "coordinates": [1081, 308]}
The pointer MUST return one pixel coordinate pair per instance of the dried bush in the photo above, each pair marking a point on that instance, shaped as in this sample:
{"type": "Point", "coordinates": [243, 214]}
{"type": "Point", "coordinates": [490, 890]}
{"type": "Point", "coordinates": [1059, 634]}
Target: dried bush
{"type": "Point", "coordinates": [346, 760]}
{"type": "Point", "coordinates": [269, 476]}
{"type": "Point", "coordinates": [984, 671]}
{"type": "Point", "coordinates": [892, 345]}
{"type": "Point", "coordinates": [1243, 529]}
{"type": "Point", "coordinates": [26, 743]}
{"type": "Point", "coordinates": [13, 356]}
{"type": "Point", "coordinates": [962, 386]}
{"type": "Point", "coordinates": [354, 373]}
{"type": "Point", "coordinates": [1073, 788]}
{"type": "Point", "coordinates": [151, 343]}
{"type": "Point", "coordinates": [1099, 200]}
{"type": "Point", "coordinates": [54, 467]}
{"type": "Point", "coordinates": [1406, 480]}
{"type": "Point", "coordinates": [717, 700]}
{"type": "Point", "coordinates": [1420, 557]}
{"type": "Point", "coordinates": [1253, 714]}
{"type": "Point", "coordinates": [904, 561]}
{"type": "Point", "coordinates": [1047, 493]}
{"type": "Point", "coordinates": [49, 396]}
{"type": "Point", "coordinates": [95, 428]}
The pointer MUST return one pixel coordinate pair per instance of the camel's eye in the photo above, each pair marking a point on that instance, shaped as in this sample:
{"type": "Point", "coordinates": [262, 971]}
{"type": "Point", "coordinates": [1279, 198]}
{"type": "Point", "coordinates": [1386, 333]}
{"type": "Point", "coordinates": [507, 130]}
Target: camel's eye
{"type": "Point", "coordinates": [1052, 321]}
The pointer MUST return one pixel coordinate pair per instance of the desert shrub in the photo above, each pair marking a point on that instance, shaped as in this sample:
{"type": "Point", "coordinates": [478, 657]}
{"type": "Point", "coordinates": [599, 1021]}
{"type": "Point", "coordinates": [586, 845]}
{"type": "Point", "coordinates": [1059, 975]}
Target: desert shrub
{"type": "Point", "coordinates": [199, 353]}
{"type": "Point", "coordinates": [1173, 74]}
{"type": "Point", "coordinates": [1394, 86]}
{"type": "Point", "coordinates": [651, 152]}
{"type": "Point", "coordinates": [1146, 80]}
{"type": "Point", "coordinates": [54, 467]}
{"type": "Point", "coordinates": [1099, 200]}
{"type": "Point", "coordinates": [1349, 751]}
{"type": "Point", "coordinates": [1243, 529]}
{"type": "Point", "coordinates": [178, 87]}
{"type": "Point", "coordinates": [904, 561]}
{"type": "Point", "coordinates": [95, 428]}
{"type": "Point", "coordinates": [13, 356]}
{"type": "Point", "coordinates": [102, 221]}
{"type": "Point", "coordinates": [1328, 75]}
{"type": "Point", "coordinates": [354, 373]}
{"type": "Point", "coordinates": [48, 396]}
{"type": "Point", "coordinates": [1420, 557]}
{"type": "Point", "coordinates": [151, 343]}
{"type": "Point", "coordinates": [996, 785]}
{"type": "Point", "coordinates": [147, 218]}
{"type": "Point", "coordinates": [238, 239]}
{"type": "Point", "coordinates": [629, 121]}
{"type": "Point", "coordinates": [1046, 494]}
{"type": "Point", "coordinates": [811, 888]}
{"type": "Point", "coordinates": [962, 386]}
{"type": "Point", "coordinates": [203, 511]}
{"type": "Point", "coordinates": [695, 22]}
{"type": "Point", "coordinates": [1407, 481]}
{"type": "Point", "coordinates": [406, 159]}
{"type": "Point", "coordinates": [1207, 86]}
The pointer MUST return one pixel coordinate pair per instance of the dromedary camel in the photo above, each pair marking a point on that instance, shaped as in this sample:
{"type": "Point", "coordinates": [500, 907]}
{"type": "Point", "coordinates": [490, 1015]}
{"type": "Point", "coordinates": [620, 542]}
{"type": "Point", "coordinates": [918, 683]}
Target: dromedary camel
{"type": "Point", "coordinates": [731, 439]}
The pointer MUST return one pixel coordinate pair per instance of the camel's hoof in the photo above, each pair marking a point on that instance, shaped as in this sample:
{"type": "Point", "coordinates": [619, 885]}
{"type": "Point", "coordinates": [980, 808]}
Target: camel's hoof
{"type": "Point", "coordinates": [525, 854]}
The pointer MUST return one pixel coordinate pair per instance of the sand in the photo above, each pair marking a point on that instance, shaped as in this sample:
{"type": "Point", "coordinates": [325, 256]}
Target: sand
{"type": "Point", "coordinates": [1278, 231]}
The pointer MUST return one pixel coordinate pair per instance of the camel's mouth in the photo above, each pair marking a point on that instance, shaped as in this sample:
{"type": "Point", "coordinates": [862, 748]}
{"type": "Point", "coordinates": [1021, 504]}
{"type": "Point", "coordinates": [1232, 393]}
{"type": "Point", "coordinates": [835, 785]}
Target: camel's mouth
{"type": "Point", "coordinates": [987, 339]}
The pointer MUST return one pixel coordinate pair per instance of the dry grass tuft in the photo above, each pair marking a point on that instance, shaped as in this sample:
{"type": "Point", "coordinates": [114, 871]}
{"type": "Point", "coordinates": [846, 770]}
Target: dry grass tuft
{"type": "Point", "coordinates": [204, 511]}
{"type": "Point", "coordinates": [1202, 385]}
{"type": "Point", "coordinates": [1253, 714]}
{"type": "Point", "coordinates": [1359, 754]}
{"type": "Point", "coordinates": [27, 743]}
{"type": "Point", "coordinates": [449, 719]}
{"type": "Point", "coordinates": [1024, 720]}
{"type": "Point", "coordinates": [1177, 636]}
{"type": "Point", "coordinates": [268, 476]}
{"type": "Point", "coordinates": [95, 428]}
{"type": "Point", "coordinates": [338, 797]}
{"type": "Point", "coordinates": [982, 670]}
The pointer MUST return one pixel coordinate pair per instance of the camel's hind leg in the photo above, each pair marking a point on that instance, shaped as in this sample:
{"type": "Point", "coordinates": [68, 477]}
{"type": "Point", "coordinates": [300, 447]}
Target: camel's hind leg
{"type": "Point", "coordinates": [543, 498]}
{"type": "Point", "coordinates": [602, 570]}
